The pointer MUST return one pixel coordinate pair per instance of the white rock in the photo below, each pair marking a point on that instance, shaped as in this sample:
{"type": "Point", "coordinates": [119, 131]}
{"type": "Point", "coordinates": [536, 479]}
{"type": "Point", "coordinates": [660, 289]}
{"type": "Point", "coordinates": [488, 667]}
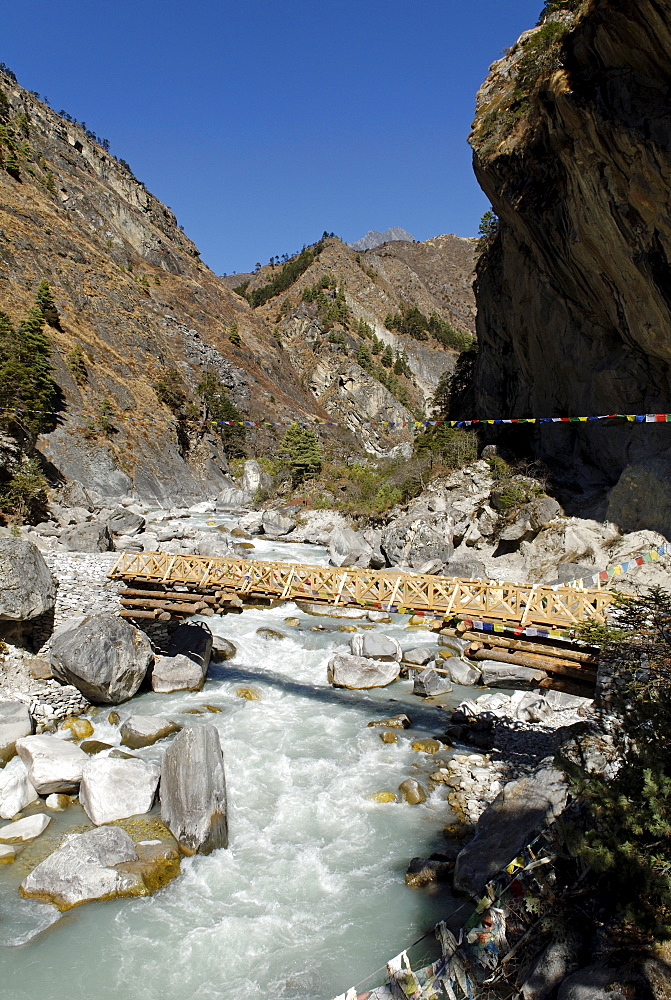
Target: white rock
{"type": "Point", "coordinates": [25, 829]}
{"type": "Point", "coordinates": [114, 788]}
{"type": "Point", "coordinates": [53, 765]}
{"type": "Point", "coordinates": [14, 723]}
{"type": "Point", "coordinates": [375, 647]}
{"type": "Point", "coordinates": [359, 672]}
{"type": "Point", "coordinates": [206, 507]}
{"type": "Point", "coordinates": [16, 791]}
{"type": "Point", "coordinates": [7, 853]}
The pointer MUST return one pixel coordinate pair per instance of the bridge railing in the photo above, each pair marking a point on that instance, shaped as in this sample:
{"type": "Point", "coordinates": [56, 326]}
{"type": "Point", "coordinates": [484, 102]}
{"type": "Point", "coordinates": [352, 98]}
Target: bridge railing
{"type": "Point", "coordinates": [387, 590]}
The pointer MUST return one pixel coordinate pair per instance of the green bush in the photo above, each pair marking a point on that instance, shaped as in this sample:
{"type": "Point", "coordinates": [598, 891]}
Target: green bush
{"type": "Point", "coordinates": [171, 390]}
{"type": "Point", "coordinates": [25, 375]}
{"type": "Point", "coordinates": [219, 407]}
{"type": "Point", "coordinates": [300, 453]}
{"type": "Point", "coordinates": [234, 335]}
{"type": "Point", "coordinates": [76, 362]}
{"type": "Point", "coordinates": [24, 495]}
{"type": "Point", "coordinates": [451, 446]}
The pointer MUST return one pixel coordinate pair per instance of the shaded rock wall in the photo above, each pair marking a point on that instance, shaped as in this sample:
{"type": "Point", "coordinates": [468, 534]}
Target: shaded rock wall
{"type": "Point", "coordinates": [574, 293]}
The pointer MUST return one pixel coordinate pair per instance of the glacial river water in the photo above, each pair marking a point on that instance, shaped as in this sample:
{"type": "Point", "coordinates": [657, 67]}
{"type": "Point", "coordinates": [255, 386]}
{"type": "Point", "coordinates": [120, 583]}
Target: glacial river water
{"type": "Point", "coordinates": [310, 898]}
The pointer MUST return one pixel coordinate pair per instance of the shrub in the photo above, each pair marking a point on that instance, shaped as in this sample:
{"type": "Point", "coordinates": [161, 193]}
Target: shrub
{"type": "Point", "coordinates": [75, 361]}
{"type": "Point", "coordinates": [24, 495]}
{"type": "Point", "coordinates": [234, 335]}
{"type": "Point", "coordinates": [218, 407]}
{"type": "Point", "coordinates": [300, 453]}
{"type": "Point", "coordinates": [171, 390]}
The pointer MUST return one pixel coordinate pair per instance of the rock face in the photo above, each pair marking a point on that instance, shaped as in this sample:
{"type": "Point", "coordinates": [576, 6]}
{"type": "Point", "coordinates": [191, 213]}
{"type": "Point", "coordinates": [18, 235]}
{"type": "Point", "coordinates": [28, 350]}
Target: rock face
{"type": "Point", "coordinates": [571, 142]}
{"type": "Point", "coordinates": [113, 789]}
{"type": "Point", "coordinates": [85, 868]}
{"type": "Point", "coordinates": [105, 657]}
{"type": "Point", "coordinates": [193, 791]}
{"type": "Point", "coordinates": [15, 722]}
{"type": "Point", "coordinates": [53, 765]}
{"type": "Point", "coordinates": [348, 548]}
{"type": "Point", "coordinates": [360, 672]}
{"type": "Point", "coordinates": [27, 588]}
{"type": "Point", "coordinates": [185, 666]}
{"type": "Point", "coordinates": [508, 824]}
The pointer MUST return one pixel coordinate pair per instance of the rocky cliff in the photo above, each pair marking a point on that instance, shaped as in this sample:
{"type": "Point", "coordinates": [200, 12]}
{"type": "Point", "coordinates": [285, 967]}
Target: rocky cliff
{"type": "Point", "coordinates": [572, 144]}
{"type": "Point", "coordinates": [137, 307]}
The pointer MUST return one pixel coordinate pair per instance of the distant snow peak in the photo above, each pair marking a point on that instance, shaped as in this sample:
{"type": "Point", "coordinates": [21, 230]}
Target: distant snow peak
{"type": "Point", "coordinates": [373, 238]}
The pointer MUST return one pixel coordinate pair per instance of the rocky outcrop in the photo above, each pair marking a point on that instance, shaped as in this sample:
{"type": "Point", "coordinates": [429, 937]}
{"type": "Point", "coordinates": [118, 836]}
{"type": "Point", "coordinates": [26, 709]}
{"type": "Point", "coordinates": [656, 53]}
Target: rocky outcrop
{"type": "Point", "coordinates": [104, 657]}
{"type": "Point", "coordinates": [193, 791]}
{"type": "Point", "coordinates": [27, 588]}
{"type": "Point", "coordinates": [572, 146]}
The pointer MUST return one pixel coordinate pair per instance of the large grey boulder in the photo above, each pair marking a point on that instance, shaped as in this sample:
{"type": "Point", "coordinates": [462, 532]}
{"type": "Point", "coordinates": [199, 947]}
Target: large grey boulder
{"type": "Point", "coordinates": [348, 548]}
{"type": "Point", "coordinates": [507, 675]}
{"type": "Point", "coordinates": [145, 730]}
{"type": "Point", "coordinates": [413, 540]}
{"type": "Point", "coordinates": [125, 522]}
{"type": "Point", "coordinates": [254, 478]}
{"type": "Point", "coordinates": [418, 657]}
{"type": "Point", "coordinates": [15, 722]}
{"type": "Point", "coordinates": [641, 498]}
{"type": "Point", "coordinates": [522, 808]}
{"type": "Point", "coordinates": [113, 789]}
{"type": "Point", "coordinates": [275, 525]}
{"type": "Point", "coordinates": [53, 765]}
{"type": "Point", "coordinates": [465, 569]}
{"type": "Point", "coordinates": [360, 672]}
{"type": "Point", "coordinates": [93, 536]}
{"type": "Point", "coordinates": [222, 649]}
{"type": "Point", "coordinates": [214, 544]}
{"type": "Point", "coordinates": [104, 657]}
{"type": "Point", "coordinates": [595, 982]}
{"type": "Point", "coordinates": [193, 791]}
{"type": "Point", "coordinates": [234, 498]}
{"type": "Point", "coordinates": [428, 683]}
{"type": "Point", "coordinates": [553, 964]}
{"type": "Point", "coordinates": [375, 647]}
{"type": "Point", "coordinates": [185, 666]}
{"type": "Point", "coordinates": [27, 588]}
{"type": "Point", "coordinates": [461, 672]}
{"type": "Point", "coordinates": [530, 518]}
{"type": "Point", "coordinates": [85, 868]}
{"type": "Point", "coordinates": [16, 789]}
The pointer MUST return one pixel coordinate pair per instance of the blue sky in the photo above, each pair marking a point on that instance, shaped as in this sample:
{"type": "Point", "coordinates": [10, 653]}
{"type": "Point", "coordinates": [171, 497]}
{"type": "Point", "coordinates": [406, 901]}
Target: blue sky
{"type": "Point", "coordinates": [264, 122]}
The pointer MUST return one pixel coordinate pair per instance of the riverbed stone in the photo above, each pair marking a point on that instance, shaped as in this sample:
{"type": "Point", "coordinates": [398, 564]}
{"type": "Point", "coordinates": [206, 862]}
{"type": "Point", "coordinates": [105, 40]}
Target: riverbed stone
{"type": "Point", "coordinates": [25, 829]}
{"type": "Point", "coordinates": [58, 802]}
{"type": "Point", "coordinates": [423, 871]}
{"type": "Point", "coordinates": [113, 789]}
{"type": "Point", "coordinates": [104, 657]}
{"type": "Point", "coordinates": [523, 807]}
{"type": "Point", "coordinates": [412, 791]}
{"type": "Point", "coordinates": [53, 765]}
{"type": "Point", "coordinates": [460, 672]}
{"type": "Point", "coordinates": [275, 525]}
{"type": "Point", "coordinates": [16, 789]}
{"type": "Point", "coordinates": [7, 854]}
{"type": "Point", "coordinates": [357, 672]}
{"type": "Point", "coordinates": [80, 728]}
{"type": "Point", "coordinates": [92, 536]}
{"type": "Point", "coordinates": [184, 668]}
{"type": "Point", "coordinates": [27, 588]}
{"type": "Point", "coordinates": [222, 649]}
{"type": "Point", "coordinates": [145, 730]}
{"type": "Point", "coordinates": [428, 683]}
{"type": "Point", "coordinates": [375, 647]}
{"type": "Point", "coordinates": [393, 722]}
{"type": "Point", "coordinates": [418, 657]}
{"type": "Point", "coordinates": [85, 868]}
{"type": "Point", "coordinates": [15, 722]}
{"type": "Point", "coordinates": [509, 675]}
{"type": "Point", "coordinates": [389, 736]}
{"type": "Point", "coordinates": [193, 791]}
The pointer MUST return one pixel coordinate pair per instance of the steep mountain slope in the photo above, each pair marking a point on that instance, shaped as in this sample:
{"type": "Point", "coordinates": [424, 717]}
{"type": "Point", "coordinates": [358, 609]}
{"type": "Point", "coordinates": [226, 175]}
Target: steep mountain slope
{"type": "Point", "coordinates": [572, 143]}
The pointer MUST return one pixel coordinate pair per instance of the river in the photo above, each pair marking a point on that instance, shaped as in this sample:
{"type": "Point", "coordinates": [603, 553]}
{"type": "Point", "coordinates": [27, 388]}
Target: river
{"type": "Point", "coordinates": [310, 898]}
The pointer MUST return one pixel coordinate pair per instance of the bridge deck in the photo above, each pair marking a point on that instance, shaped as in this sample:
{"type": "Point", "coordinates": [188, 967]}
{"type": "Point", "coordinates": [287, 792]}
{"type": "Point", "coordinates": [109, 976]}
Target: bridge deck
{"type": "Point", "coordinates": [386, 590]}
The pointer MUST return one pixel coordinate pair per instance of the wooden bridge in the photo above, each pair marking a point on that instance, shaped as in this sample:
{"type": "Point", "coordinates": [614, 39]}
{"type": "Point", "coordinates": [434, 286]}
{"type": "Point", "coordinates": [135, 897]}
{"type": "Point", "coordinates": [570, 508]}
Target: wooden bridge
{"type": "Point", "coordinates": [160, 585]}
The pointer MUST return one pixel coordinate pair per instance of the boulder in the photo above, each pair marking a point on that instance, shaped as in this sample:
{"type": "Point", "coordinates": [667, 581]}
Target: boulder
{"type": "Point", "coordinates": [184, 668]}
{"type": "Point", "coordinates": [348, 548]}
{"type": "Point", "coordinates": [204, 507]}
{"type": "Point", "coordinates": [25, 829]}
{"type": "Point", "coordinates": [548, 970]}
{"type": "Point", "coordinates": [222, 649]}
{"type": "Point", "coordinates": [360, 672]}
{"type": "Point", "coordinates": [145, 730]}
{"type": "Point", "coordinates": [15, 722]}
{"type": "Point", "coordinates": [53, 765]}
{"type": "Point", "coordinates": [104, 657]}
{"type": "Point", "coordinates": [92, 536]}
{"type": "Point", "coordinates": [254, 478]}
{"type": "Point", "coordinates": [519, 811]}
{"type": "Point", "coordinates": [214, 544]}
{"type": "Point", "coordinates": [597, 982]}
{"type": "Point", "coordinates": [507, 675]}
{"type": "Point", "coordinates": [429, 684]}
{"type": "Point", "coordinates": [275, 525]}
{"type": "Point", "coordinates": [460, 672]}
{"type": "Point", "coordinates": [27, 588]}
{"type": "Point", "coordinates": [641, 498]}
{"type": "Point", "coordinates": [85, 868]}
{"type": "Point", "coordinates": [252, 522]}
{"type": "Point", "coordinates": [530, 518]}
{"type": "Point", "coordinates": [422, 871]}
{"type": "Point", "coordinates": [125, 522]}
{"type": "Point", "coordinates": [375, 647]}
{"type": "Point", "coordinates": [193, 791]}
{"type": "Point", "coordinates": [413, 540]}
{"type": "Point", "coordinates": [418, 657]}
{"type": "Point", "coordinates": [16, 790]}
{"type": "Point", "coordinates": [465, 569]}
{"type": "Point", "coordinates": [113, 789]}
{"type": "Point", "coordinates": [412, 791]}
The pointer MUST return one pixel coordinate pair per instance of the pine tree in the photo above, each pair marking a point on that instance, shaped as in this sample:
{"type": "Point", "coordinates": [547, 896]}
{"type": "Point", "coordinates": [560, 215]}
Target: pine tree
{"type": "Point", "coordinates": [12, 164]}
{"type": "Point", "coordinates": [387, 358]}
{"type": "Point", "coordinates": [45, 301]}
{"type": "Point", "coordinates": [301, 453]}
{"type": "Point", "coordinates": [25, 375]}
